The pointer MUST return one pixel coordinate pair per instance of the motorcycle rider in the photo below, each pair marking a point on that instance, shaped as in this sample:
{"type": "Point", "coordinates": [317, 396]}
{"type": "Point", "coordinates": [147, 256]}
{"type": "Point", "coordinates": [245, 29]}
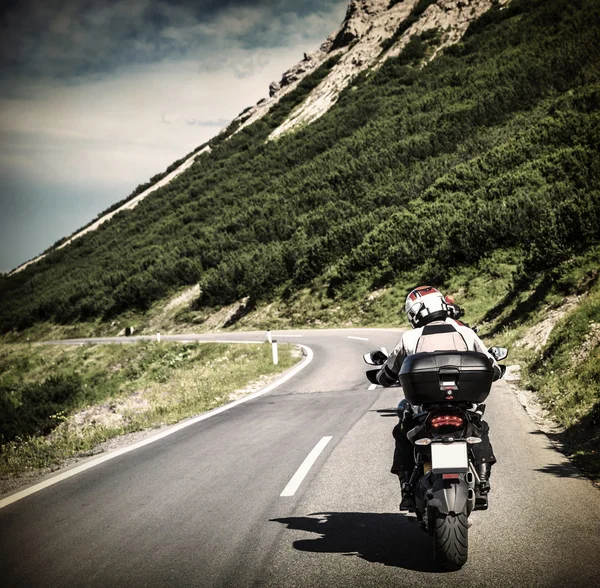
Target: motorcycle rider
{"type": "Point", "coordinates": [435, 328]}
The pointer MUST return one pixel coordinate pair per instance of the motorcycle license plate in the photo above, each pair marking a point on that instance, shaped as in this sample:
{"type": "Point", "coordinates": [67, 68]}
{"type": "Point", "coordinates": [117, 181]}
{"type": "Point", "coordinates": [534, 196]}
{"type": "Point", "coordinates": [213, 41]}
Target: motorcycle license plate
{"type": "Point", "coordinates": [449, 458]}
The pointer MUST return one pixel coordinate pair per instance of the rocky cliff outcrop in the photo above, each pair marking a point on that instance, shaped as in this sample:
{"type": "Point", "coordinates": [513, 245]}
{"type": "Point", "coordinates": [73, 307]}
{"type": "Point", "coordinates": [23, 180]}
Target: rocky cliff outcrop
{"type": "Point", "coordinates": [360, 43]}
{"type": "Point", "coordinates": [359, 19]}
{"type": "Point", "coordinates": [289, 80]}
{"type": "Point", "coordinates": [451, 17]}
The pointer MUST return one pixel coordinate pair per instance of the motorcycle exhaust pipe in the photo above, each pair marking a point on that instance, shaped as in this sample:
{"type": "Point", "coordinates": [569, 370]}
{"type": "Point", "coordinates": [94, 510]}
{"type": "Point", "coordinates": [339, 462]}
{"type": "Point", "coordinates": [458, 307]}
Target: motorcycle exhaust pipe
{"type": "Point", "coordinates": [471, 500]}
{"type": "Point", "coordinates": [470, 479]}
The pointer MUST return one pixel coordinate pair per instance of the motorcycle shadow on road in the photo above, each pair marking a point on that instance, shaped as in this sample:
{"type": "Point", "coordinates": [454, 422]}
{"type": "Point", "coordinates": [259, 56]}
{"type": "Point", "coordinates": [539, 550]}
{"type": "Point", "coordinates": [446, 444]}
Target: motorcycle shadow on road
{"type": "Point", "coordinates": [391, 539]}
{"type": "Point", "coordinates": [386, 412]}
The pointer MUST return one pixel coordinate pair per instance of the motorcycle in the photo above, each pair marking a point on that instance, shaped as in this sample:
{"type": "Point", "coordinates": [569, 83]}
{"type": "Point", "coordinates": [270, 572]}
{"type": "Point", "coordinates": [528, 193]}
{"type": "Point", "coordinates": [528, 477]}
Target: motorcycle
{"type": "Point", "coordinates": [444, 392]}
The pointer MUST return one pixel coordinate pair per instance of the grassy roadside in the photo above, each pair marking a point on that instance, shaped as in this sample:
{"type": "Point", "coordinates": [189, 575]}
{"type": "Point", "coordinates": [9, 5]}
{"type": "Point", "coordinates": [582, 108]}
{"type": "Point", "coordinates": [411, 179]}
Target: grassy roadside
{"type": "Point", "coordinates": [566, 374]}
{"type": "Point", "coordinates": [551, 323]}
{"type": "Point", "coordinates": [57, 402]}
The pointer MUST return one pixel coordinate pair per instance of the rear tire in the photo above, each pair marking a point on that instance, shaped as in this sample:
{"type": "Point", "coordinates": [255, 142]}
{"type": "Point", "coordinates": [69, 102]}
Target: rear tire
{"type": "Point", "coordinates": [450, 539]}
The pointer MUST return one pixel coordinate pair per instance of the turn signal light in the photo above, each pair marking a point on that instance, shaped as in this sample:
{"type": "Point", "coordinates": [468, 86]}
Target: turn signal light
{"type": "Point", "coordinates": [447, 421]}
{"type": "Point", "coordinates": [424, 441]}
{"type": "Point", "coordinates": [473, 440]}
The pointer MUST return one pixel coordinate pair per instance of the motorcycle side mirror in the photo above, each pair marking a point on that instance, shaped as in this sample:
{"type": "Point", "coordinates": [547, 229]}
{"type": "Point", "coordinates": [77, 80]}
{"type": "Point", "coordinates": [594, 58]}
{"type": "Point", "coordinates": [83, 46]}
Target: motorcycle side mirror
{"type": "Point", "coordinates": [375, 357]}
{"type": "Point", "coordinates": [499, 353]}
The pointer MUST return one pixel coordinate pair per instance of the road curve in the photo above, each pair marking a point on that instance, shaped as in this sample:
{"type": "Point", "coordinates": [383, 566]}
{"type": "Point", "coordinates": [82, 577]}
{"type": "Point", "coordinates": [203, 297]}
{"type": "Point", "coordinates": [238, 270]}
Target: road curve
{"type": "Point", "coordinates": [203, 506]}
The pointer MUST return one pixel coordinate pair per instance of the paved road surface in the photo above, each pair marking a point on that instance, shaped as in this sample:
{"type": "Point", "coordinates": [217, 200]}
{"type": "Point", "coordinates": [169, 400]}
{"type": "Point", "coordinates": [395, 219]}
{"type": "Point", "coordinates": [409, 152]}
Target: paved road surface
{"type": "Point", "coordinates": [202, 507]}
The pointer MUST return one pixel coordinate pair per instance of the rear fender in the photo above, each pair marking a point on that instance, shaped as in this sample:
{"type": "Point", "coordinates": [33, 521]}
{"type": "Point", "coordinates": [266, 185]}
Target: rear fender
{"type": "Point", "coordinates": [448, 496]}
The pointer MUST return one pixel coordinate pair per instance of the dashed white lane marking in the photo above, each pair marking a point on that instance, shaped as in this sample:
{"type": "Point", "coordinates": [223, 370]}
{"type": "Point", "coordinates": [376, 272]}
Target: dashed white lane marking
{"type": "Point", "coordinates": [90, 464]}
{"type": "Point", "coordinates": [359, 338]}
{"type": "Point", "coordinates": [372, 387]}
{"type": "Point", "coordinates": [304, 468]}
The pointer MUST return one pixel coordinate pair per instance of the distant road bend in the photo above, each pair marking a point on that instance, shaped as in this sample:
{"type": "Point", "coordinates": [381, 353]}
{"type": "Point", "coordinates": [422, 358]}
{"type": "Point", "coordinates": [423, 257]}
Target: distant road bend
{"type": "Point", "coordinates": [292, 489]}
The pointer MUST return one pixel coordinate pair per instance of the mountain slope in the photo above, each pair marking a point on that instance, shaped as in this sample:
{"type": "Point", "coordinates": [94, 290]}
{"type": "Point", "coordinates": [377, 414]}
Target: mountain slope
{"type": "Point", "coordinates": [417, 167]}
{"type": "Point", "coordinates": [372, 31]}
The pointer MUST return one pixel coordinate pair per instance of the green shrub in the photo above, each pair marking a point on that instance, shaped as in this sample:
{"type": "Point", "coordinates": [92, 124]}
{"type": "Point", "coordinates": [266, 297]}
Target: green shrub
{"type": "Point", "coordinates": [37, 408]}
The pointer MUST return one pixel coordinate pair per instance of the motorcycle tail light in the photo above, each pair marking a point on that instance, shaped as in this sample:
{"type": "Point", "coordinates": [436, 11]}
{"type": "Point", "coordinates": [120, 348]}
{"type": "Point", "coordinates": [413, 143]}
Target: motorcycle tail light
{"type": "Point", "coordinates": [447, 420]}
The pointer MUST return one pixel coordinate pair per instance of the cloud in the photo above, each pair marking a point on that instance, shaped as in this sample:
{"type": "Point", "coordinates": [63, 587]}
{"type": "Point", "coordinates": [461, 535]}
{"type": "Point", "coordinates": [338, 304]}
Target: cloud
{"type": "Point", "coordinates": [122, 129]}
{"type": "Point", "coordinates": [69, 38]}
{"type": "Point", "coordinates": [219, 123]}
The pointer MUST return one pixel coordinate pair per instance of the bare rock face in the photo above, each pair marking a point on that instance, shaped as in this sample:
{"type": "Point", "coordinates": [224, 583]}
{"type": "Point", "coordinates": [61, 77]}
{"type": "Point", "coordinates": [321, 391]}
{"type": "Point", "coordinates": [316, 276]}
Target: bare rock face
{"type": "Point", "coordinates": [358, 42]}
{"type": "Point", "coordinates": [273, 89]}
{"type": "Point", "coordinates": [358, 20]}
{"type": "Point", "coordinates": [370, 21]}
{"type": "Point", "coordinates": [452, 17]}
{"type": "Point", "coordinates": [289, 80]}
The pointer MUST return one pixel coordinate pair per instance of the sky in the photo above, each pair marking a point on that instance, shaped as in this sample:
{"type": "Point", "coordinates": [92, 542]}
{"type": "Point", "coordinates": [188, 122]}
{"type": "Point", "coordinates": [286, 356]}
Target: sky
{"type": "Point", "coordinates": [97, 96]}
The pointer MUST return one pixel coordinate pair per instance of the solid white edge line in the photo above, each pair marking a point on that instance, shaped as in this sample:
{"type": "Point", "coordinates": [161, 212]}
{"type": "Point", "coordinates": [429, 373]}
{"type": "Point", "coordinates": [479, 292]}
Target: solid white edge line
{"type": "Point", "coordinates": [304, 468]}
{"type": "Point", "coordinates": [372, 387]}
{"type": "Point", "coordinates": [359, 338]}
{"type": "Point", "coordinates": [174, 429]}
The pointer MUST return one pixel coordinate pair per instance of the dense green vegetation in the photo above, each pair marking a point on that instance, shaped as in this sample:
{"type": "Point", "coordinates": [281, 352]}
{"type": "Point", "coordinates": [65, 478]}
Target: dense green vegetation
{"type": "Point", "coordinates": [57, 401]}
{"type": "Point", "coordinates": [494, 144]}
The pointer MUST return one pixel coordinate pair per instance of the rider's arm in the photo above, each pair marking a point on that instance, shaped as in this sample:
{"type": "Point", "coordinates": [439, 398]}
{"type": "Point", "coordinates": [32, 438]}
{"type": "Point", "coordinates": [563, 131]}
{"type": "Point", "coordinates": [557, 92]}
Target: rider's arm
{"type": "Point", "coordinates": [480, 346]}
{"type": "Point", "coordinates": [388, 374]}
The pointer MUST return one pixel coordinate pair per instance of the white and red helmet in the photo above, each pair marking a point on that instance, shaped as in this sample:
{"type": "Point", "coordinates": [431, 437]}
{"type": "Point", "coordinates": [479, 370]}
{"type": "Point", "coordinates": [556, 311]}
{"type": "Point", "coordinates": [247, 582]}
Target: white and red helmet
{"type": "Point", "coordinates": [425, 304]}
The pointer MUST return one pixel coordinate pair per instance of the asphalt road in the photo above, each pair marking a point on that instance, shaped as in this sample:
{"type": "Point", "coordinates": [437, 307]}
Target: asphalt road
{"type": "Point", "coordinates": [203, 506]}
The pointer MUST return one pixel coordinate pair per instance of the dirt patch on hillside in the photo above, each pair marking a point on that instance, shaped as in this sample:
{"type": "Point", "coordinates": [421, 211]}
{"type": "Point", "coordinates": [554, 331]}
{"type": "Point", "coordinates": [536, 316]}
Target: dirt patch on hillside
{"type": "Point", "coordinates": [591, 340]}
{"type": "Point", "coordinates": [185, 298]}
{"type": "Point", "coordinates": [537, 336]}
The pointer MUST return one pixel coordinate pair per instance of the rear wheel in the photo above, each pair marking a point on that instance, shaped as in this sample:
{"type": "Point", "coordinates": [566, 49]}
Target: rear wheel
{"type": "Point", "coordinates": [450, 539]}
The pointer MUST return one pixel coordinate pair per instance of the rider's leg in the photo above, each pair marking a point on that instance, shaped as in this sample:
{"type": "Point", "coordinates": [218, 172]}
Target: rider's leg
{"type": "Point", "coordinates": [484, 459]}
{"type": "Point", "coordinates": [403, 465]}
{"type": "Point", "coordinates": [404, 458]}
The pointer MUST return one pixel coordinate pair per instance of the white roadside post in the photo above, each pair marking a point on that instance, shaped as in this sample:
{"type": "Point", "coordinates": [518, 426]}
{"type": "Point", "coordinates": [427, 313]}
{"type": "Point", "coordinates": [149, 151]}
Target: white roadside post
{"type": "Point", "coordinates": [275, 353]}
{"type": "Point", "coordinates": [158, 337]}
{"type": "Point", "coordinates": [269, 337]}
